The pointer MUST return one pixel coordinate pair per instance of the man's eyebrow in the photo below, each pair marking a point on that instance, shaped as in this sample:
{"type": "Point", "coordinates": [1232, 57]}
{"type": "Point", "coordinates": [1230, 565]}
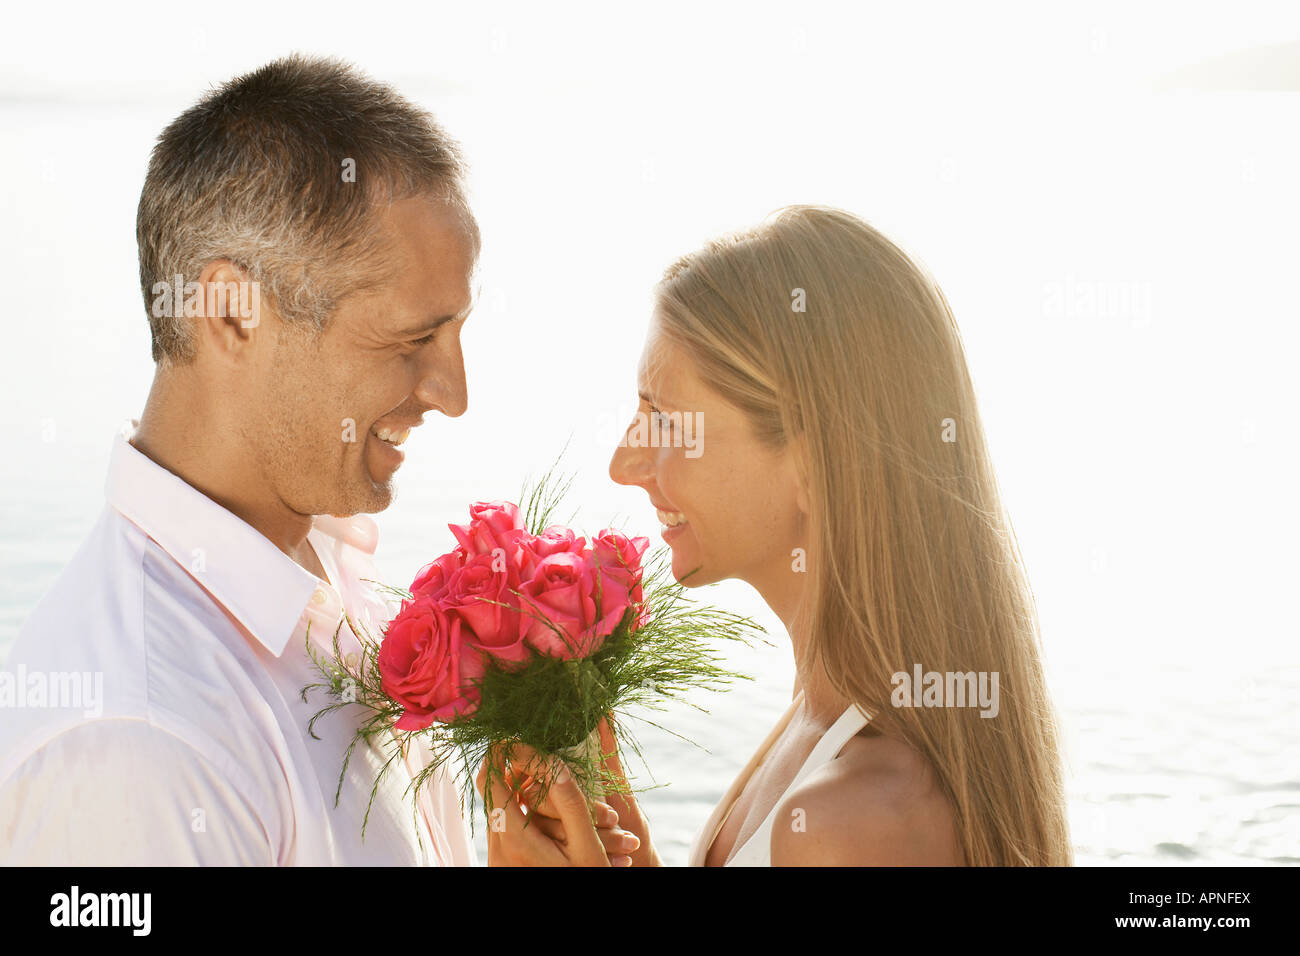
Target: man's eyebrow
{"type": "Point", "coordinates": [432, 325]}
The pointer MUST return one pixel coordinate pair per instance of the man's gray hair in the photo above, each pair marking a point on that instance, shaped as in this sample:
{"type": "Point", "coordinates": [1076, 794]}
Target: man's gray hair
{"type": "Point", "coordinates": [279, 172]}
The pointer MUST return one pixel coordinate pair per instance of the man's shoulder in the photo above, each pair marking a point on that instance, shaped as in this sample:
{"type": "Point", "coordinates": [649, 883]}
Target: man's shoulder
{"type": "Point", "coordinates": [123, 632]}
{"type": "Point", "coordinates": [91, 606]}
{"type": "Point", "coordinates": [120, 599]}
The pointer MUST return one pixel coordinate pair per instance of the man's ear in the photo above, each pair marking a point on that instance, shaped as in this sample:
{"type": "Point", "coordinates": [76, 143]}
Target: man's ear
{"type": "Point", "coordinates": [227, 303]}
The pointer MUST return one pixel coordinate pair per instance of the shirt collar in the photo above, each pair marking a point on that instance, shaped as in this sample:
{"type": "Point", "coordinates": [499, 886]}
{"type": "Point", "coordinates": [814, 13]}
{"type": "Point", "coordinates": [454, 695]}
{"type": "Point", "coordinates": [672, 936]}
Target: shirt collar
{"type": "Point", "coordinates": [261, 586]}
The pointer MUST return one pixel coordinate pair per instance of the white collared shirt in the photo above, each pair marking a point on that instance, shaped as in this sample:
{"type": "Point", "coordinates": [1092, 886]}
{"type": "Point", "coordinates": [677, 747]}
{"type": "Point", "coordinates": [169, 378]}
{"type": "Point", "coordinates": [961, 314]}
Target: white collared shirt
{"type": "Point", "coordinates": [151, 709]}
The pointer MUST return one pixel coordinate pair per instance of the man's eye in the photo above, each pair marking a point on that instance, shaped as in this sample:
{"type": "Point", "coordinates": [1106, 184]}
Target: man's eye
{"type": "Point", "coordinates": [424, 341]}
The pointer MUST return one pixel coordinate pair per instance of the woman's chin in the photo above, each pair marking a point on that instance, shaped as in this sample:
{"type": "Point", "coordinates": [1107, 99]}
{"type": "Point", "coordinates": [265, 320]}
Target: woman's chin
{"type": "Point", "coordinates": [688, 564]}
{"type": "Point", "coordinates": [690, 573]}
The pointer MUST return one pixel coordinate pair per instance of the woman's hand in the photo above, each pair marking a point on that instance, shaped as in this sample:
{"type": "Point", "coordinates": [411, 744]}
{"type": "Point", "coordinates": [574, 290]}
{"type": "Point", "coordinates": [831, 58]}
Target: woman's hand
{"type": "Point", "coordinates": [560, 830]}
{"type": "Point", "coordinates": [624, 804]}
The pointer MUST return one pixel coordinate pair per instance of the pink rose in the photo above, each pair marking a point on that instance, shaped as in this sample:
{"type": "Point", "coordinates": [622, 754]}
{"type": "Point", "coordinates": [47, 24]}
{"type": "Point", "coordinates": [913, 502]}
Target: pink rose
{"type": "Point", "coordinates": [618, 560]}
{"type": "Point", "coordinates": [559, 597]}
{"type": "Point", "coordinates": [476, 594]}
{"type": "Point", "coordinates": [615, 551]}
{"type": "Point", "coordinates": [492, 525]}
{"type": "Point", "coordinates": [556, 539]}
{"type": "Point", "coordinates": [432, 580]}
{"type": "Point", "coordinates": [427, 667]}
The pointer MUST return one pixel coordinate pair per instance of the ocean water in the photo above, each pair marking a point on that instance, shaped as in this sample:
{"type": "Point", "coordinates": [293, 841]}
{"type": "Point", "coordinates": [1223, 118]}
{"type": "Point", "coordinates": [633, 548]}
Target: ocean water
{"type": "Point", "coordinates": [1120, 270]}
{"type": "Point", "coordinates": [1168, 762]}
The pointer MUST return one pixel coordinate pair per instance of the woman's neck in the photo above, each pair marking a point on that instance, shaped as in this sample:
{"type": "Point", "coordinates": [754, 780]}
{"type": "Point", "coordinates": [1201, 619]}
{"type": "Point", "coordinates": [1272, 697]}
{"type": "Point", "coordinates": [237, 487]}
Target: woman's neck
{"type": "Point", "coordinates": [788, 599]}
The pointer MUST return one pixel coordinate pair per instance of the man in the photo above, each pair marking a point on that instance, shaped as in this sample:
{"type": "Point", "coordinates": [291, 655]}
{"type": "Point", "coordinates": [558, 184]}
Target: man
{"type": "Point", "coordinates": [306, 258]}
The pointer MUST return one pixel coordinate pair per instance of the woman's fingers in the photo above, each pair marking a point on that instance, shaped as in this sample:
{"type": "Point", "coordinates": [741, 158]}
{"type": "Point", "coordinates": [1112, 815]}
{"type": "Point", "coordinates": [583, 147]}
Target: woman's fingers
{"type": "Point", "coordinates": [609, 749]}
{"type": "Point", "coordinates": [615, 841]}
{"type": "Point", "coordinates": [527, 762]}
{"type": "Point", "coordinates": [602, 814]}
{"type": "Point", "coordinates": [583, 846]}
{"type": "Point", "coordinates": [510, 843]}
{"type": "Point", "coordinates": [528, 769]}
{"type": "Point", "coordinates": [553, 829]}
{"type": "Point", "coordinates": [618, 843]}
{"type": "Point", "coordinates": [621, 799]}
{"type": "Point", "coordinates": [562, 828]}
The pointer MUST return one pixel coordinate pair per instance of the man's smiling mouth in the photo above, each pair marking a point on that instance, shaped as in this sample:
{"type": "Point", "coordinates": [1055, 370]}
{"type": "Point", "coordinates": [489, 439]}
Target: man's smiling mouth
{"type": "Point", "coordinates": [394, 436]}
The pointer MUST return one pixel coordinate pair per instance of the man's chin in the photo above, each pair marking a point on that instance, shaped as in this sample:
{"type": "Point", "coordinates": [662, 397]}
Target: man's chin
{"type": "Point", "coordinates": [364, 494]}
{"type": "Point", "coordinates": [379, 467]}
{"type": "Point", "coordinates": [378, 495]}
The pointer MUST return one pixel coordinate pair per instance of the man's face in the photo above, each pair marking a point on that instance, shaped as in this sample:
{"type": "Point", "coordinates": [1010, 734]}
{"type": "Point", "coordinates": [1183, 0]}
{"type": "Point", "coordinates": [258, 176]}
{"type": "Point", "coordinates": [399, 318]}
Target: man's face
{"type": "Point", "coordinates": [388, 355]}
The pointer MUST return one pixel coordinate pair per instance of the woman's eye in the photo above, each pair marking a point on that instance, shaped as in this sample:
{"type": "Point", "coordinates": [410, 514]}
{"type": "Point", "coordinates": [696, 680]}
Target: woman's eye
{"type": "Point", "coordinates": [662, 420]}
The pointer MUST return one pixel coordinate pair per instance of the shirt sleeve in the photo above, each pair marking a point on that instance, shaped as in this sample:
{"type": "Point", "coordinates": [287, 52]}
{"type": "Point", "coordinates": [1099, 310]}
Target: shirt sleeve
{"type": "Point", "coordinates": [120, 792]}
{"type": "Point", "coordinates": [444, 804]}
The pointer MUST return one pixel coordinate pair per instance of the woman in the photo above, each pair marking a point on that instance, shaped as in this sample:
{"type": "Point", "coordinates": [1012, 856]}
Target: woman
{"type": "Point", "coordinates": [844, 474]}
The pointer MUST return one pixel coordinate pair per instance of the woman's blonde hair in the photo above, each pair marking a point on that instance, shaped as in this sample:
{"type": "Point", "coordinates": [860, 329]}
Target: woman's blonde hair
{"type": "Point", "coordinates": [822, 330]}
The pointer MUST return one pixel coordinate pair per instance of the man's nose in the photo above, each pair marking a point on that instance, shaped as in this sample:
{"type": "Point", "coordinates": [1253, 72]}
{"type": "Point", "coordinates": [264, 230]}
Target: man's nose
{"type": "Point", "coordinates": [442, 383]}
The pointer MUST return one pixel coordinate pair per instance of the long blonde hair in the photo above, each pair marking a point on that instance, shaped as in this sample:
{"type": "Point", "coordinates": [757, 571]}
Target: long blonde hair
{"type": "Point", "coordinates": [818, 327]}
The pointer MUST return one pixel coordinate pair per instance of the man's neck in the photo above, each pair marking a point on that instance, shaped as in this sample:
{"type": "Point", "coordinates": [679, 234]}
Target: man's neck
{"type": "Point", "coordinates": [211, 457]}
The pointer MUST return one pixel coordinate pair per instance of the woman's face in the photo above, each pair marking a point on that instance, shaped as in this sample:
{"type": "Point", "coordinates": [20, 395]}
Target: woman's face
{"type": "Point", "coordinates": [729, 506]}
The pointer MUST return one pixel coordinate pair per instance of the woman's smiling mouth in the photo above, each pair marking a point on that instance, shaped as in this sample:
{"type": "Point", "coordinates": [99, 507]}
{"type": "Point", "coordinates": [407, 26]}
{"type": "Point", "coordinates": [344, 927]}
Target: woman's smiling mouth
{"type": "Point", "coordinates": [670, 519]}
{"type": "Point", "coordinates": [671, 523]}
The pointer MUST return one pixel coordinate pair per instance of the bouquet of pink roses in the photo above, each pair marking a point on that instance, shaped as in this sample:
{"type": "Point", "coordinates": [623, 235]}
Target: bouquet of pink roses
{"type": "Point", "coordinates": [526, 632]}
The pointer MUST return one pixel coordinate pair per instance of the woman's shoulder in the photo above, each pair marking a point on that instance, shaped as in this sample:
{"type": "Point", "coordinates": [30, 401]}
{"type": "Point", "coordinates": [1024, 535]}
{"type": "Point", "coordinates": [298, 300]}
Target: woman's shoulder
{"type": "Point", "coordinates": [878, 804]}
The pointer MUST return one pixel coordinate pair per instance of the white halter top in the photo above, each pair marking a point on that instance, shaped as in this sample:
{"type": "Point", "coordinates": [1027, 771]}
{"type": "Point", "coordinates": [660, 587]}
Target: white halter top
{"type": "Point", "coordinates": [757, 850]}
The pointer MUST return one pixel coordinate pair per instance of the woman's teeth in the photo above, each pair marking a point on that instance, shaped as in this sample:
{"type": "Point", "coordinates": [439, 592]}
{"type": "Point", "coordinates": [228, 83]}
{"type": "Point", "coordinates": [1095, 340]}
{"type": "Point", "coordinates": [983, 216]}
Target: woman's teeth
{"type": "Point", "coordinates": [394, 436]}
{"type": "Point", "coordinates": [670, 519]}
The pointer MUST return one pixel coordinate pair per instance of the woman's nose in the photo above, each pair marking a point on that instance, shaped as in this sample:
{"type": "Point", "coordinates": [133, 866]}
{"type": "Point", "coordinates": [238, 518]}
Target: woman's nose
{"type": "Point", "coordinates": [632, 464]}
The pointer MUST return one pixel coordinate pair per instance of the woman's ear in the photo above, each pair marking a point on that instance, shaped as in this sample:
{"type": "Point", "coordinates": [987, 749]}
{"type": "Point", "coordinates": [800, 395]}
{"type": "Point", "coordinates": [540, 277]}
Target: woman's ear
{"type": "Point", "coordinates": [798, 450]}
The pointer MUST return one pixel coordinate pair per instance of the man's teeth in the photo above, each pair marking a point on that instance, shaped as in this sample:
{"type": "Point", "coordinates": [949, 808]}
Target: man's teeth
{"type": "Point", "coordinates": [394, 436]}
{"type": "Point", "coordinates": [670, 519]}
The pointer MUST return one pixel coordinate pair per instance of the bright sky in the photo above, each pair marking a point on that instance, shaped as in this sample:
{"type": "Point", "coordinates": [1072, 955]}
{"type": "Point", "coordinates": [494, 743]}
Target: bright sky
{"type": "Point", "coordinates": [1104, 194]}
{"type": "Point", "coordinates": [713, 51]}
